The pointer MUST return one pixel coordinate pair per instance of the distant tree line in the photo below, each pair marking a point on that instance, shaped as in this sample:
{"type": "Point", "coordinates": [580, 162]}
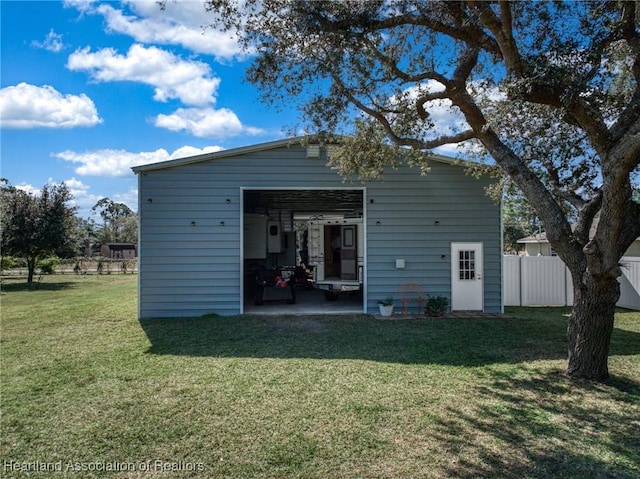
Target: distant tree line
{"type": "Point", "coordinates": [37, 226]}
{"type": "Point", "coordinates": [119, 222]}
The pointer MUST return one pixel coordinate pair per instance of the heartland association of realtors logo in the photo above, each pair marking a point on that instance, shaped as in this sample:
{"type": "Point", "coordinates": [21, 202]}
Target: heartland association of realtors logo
{"type": "Point", "coordinates": [98, 466]}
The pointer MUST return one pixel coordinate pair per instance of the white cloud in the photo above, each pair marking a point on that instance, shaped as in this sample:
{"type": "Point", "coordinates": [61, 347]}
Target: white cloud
{"type": "Point", "coordinates": [205, 122]}
{"type": "Point", "coordinates": [130, 198]}
{"type": "Point", "coordinates": [76, 186]}
{"type": "Point", "coordinates": [29, 106]}
{"type": "Point", "coordinates": [451, 149]}
{"type": "Point", "coordinates": [29, 189]}
{"type": "Point", "coordinates": [81, 196]}
{"type": "Point", "coordinates": [189, 81]}
{"type": "Point", "coordinates": [80, 192]}
{"type": "Point", "coordinates": [187, 150]}
{"type": "Point", "coordinates": [108, 162]}
{"type": "Point", "coordinates": [179, 23]}
{"type": "Point", "coordinates": [52, 42]}
{"type": "Point", "coordinates": [446, 118]}
{"type": "Point", "coordinates": [83, 6]}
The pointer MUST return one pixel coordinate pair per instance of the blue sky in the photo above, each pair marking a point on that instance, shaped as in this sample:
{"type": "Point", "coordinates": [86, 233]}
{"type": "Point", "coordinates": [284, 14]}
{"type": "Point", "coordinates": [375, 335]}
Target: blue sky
{"type": "Point", "coordinates": [90, 89]}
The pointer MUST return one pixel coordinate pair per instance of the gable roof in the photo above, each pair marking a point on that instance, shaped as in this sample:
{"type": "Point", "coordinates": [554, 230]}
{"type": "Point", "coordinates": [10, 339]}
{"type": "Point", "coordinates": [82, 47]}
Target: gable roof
{"type": "Point", "coordinates": [243, 150]}
{"type": "Point", "coordinates": [120, 246]}
{"type": "Point", "coordinates": [536, 238]}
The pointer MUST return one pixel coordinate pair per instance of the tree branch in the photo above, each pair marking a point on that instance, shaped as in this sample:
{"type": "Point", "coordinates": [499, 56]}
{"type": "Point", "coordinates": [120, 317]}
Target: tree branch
{"type": "Point", "coordinates": [540, 198]}
{"type": "Point", "coordinates": [586, 213]}
{"type": "Point", "coordinates": [401, 74]}
{"type": "Point", "coordinates": [556, 186]}
{"type": "Point", "coordinates": [628, 117]}
{"type": "Point", "coordinates": [466, 31]}
{"type": "Point", "coordinates": [466, 62]}
{"type": "Point", "coordinates": [422, 100]}
{"type": "Point", "coordinates": [502, 32]}
{"type": "Point", "coordinates": [626, 153]}
{"type": "Point", "coordinates": [401, 140]}
{"type": "Point", "coordinates": [630, 31]}
{"type": "Point", "coordinates": [579, 112]}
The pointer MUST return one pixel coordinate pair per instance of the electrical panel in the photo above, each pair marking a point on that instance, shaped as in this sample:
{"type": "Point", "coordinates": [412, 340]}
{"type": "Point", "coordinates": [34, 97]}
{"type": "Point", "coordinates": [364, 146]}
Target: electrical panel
{"type": "Point", "coordinates": [274, 237]}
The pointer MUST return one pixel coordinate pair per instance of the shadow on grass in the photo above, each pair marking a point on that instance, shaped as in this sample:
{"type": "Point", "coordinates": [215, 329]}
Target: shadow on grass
{"type": "Point", "coordinates": [536, 425]}
{"type": "Point", "coordinates": [468, 342]}
{"type": "Point", "coordinates": [15, 286]}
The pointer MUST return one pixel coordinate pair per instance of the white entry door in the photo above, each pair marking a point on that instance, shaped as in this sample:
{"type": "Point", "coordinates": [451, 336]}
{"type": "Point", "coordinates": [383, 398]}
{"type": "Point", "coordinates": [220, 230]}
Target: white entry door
{"type": "Point", "coordinates": [466, 277]}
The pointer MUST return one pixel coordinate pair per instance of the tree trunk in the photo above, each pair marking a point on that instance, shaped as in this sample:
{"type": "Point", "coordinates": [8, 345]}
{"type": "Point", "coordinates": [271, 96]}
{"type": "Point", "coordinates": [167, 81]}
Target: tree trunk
{"type": "Point", "coordinates": [31, 267]}
{"type": "Point", "coordinates": [590, 327]}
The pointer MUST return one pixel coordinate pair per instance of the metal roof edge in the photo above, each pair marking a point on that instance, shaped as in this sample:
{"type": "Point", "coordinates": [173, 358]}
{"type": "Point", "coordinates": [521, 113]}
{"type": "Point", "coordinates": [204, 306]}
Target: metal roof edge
{"type": "Point", "coordinates": [447, 159]}
{"type": "Point", "coordinates": [242, 150]}
{"type": "Point", "coordinates": [187, 160]}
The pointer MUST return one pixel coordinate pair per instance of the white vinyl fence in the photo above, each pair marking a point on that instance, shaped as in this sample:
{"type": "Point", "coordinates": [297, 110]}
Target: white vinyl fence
{"type": "Point", "coordinates": [545, 281]}
{"type": "Point", "coordinates": [630, 283]}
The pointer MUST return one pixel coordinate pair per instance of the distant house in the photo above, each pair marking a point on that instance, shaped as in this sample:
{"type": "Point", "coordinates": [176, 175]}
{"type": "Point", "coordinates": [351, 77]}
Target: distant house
{"type": "Point", "coordinates": [276, 205]}
{"type": "Point", "coordinates": [538, 245]}
{"type": "Point", "coordinates": [118, 250]}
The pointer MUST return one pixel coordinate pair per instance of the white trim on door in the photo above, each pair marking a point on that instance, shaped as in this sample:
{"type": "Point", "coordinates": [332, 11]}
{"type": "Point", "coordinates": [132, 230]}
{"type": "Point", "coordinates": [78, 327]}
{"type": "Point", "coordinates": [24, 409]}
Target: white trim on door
{"type": "Point", "coordinates": [467, 273]}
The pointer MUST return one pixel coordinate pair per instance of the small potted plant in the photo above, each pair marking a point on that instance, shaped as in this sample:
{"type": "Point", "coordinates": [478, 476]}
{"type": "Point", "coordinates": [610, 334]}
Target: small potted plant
{"type": "Point", "coordinates": [386, 306]}
{"type": "Point", "coordinates": [436, 306]}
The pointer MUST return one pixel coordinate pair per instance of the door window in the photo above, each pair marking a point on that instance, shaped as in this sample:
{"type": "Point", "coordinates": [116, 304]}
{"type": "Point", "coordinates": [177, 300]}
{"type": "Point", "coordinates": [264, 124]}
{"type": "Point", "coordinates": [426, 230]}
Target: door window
{"type": "Point", "coordinates": [347, 239]}
{"type": "Point", "coordinates": [467, 262]}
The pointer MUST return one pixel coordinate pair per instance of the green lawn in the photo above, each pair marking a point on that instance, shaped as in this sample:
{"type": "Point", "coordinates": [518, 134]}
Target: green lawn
{"type": "Point", "coordinates": [87, 387]}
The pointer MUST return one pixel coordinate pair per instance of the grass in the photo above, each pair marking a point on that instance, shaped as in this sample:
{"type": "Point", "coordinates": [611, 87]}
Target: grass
{"type": "Point", "coordinates": [87, 387]}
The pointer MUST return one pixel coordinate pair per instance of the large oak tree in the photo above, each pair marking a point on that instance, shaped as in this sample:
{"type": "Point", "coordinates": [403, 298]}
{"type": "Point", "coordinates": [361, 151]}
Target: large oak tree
{"type": "Point", "coordinates": [549, 90]}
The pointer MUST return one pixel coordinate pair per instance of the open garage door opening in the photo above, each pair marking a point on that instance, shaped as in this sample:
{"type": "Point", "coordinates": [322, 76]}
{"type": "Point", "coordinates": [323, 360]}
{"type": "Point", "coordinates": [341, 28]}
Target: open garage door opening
{"type": "Point", "coordinates": [303, 251]}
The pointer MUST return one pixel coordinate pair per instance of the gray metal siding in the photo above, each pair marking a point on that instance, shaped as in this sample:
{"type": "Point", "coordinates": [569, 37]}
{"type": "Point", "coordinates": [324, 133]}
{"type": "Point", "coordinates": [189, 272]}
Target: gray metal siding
{"type": "Point", "coordinates": [185, 269]}
{"type": "Point", "coordinates": [190, 270]}
{"type": "Point", "coordinates": [419, 217]}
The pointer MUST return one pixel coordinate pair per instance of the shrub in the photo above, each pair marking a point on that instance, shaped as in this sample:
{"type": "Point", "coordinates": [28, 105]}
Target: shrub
{"type": "Point", "coordinates": [48, 265]}
{"type": "Point", "coordinates": [8, 262]}
{"type": "Point", "coordinates": [436, 305]}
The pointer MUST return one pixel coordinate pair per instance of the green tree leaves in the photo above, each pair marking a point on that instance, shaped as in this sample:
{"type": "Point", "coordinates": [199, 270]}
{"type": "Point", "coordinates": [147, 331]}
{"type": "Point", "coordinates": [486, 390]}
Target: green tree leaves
{"type": "Point", "coordinates": [35, 226]}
